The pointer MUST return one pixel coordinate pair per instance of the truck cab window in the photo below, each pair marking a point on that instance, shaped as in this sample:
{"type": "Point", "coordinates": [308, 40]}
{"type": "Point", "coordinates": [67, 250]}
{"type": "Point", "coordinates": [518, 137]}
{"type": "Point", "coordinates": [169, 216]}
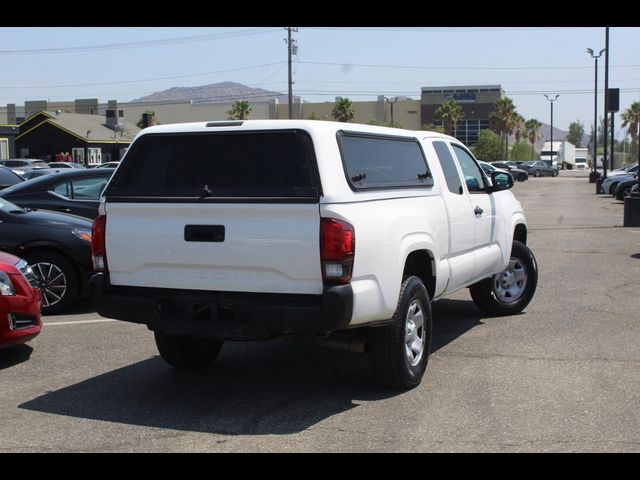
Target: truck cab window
{"type": "Point", "coordinates": [472, 172]}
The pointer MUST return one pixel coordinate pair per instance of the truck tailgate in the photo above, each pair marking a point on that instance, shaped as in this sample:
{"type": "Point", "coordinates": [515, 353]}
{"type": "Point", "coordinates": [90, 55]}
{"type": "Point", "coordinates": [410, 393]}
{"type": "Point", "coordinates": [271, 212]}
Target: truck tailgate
{"type": "Point", "coordinates": [266, 248]}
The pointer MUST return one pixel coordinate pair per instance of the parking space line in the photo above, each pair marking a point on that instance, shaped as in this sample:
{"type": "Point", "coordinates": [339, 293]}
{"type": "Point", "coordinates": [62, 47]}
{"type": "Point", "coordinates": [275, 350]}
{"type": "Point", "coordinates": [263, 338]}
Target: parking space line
{"type": "Point", "coordinates": [103, 320]}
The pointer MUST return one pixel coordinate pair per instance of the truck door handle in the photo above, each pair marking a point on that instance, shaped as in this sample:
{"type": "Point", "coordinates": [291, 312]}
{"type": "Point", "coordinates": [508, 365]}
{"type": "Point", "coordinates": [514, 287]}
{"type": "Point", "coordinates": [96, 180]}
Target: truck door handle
{"type": "Point", "coordinates": [478, 211]}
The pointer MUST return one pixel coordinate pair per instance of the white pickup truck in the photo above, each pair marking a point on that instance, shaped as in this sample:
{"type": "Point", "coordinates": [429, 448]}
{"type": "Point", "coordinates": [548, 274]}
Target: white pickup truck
{"type": "Point", "coordinates": [259, 229]}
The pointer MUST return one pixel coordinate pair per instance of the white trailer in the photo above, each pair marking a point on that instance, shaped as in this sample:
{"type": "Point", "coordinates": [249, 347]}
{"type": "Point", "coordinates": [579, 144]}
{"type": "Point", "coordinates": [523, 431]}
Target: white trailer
{"type": "Point", "coordinates": [562, 155]}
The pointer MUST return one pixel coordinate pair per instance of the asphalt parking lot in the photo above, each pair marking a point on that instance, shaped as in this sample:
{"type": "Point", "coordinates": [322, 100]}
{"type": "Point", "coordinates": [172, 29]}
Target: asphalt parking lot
{"type": "Point", "coordinates": [562, 376]}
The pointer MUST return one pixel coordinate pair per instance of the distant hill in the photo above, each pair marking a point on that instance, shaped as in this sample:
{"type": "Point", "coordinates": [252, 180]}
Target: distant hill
{"type": "Point", "coordinates": [223, 92]}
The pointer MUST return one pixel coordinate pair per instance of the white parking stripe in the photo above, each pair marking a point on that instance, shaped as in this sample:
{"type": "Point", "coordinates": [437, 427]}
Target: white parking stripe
{"type": "Point", "coordinates": [79, 322]}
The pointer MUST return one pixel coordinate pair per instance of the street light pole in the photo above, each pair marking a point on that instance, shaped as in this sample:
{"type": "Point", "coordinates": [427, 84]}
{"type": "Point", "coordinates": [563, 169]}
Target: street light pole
{"type": "Point", "coordinates": [551, 100]}
{"type": "Point", "coordinates": [594, 175]}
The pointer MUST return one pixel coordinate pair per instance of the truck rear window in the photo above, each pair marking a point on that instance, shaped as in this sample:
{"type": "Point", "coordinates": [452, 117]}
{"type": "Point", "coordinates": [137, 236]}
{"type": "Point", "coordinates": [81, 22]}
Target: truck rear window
{"type": "Point", "coordinates": [274, 164]}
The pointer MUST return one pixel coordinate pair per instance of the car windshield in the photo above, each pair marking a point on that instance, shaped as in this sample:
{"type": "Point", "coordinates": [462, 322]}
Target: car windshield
{"type": "Point", "coordinates": [8, 207]}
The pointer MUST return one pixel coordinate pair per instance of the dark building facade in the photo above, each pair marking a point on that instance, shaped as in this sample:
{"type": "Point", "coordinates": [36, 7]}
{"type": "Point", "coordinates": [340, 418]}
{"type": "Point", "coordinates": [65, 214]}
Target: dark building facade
{"type": "Point", "coordinates": [476, 101]}
{"type": "Point", "coordinates": [85, 138]}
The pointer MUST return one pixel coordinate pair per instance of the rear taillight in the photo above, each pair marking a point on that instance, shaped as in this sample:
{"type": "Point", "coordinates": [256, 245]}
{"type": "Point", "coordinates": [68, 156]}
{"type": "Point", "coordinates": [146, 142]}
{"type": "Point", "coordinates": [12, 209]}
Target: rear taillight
{"type": "Point", "coordinates": [337, 249]}
{"type": "Point", "coordinates": [98, 246]}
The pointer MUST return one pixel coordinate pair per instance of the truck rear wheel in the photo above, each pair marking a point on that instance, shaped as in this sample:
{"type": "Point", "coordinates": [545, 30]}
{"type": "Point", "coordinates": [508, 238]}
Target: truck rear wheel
{"type": "Point", "coordinates": [510, 291]}
{"type": "Point", "coordinates": [187, 352]}
{"type": "Point", "coordinates": [398, 352]}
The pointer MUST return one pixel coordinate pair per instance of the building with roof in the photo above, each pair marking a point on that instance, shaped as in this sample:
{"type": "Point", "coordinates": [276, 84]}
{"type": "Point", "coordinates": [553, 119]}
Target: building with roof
{"type": "Point", "coordinates": [88, 139]}
{"type": "Point", "coordinates": [476, 101]}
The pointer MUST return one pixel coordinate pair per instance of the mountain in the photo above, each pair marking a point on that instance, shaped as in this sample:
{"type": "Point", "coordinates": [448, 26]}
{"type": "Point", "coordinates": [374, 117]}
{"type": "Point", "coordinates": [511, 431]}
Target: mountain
{"type": "Point", "coordinates": [223, 92]}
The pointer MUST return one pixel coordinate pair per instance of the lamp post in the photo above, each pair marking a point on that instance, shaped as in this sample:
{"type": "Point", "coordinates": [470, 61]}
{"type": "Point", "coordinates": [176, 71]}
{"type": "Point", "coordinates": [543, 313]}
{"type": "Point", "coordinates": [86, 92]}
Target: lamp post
{"type": "Point", "coordinates": [390, 102]}
{"type": "Point", "coordinates": [551, 100]}
{"type": "Point", "coordinates": [593, 176]}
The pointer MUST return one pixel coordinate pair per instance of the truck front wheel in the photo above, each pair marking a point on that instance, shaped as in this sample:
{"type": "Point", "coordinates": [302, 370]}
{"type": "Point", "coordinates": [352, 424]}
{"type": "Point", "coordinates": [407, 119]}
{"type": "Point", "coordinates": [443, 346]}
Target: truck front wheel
{"type": "Point", "coordinates": [187, 352]}
{"type": "Point", "coordinates": [398, 352]}
{"type": "Point", "coordinates": [510, 291]}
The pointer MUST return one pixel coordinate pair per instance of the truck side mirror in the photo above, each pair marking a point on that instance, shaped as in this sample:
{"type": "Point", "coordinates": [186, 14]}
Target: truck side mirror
{"type": "Point", "coordinates": [500, 181]}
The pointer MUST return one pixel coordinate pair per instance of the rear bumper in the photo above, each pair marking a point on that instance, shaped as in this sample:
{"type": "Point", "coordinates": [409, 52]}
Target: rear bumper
{"type": "Point", "coordinates": [223, 315]}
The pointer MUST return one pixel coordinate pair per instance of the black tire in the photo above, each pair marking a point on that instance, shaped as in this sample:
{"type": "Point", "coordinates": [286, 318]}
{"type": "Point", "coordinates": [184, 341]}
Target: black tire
{"type": "Point", "coordinates": [57, 280]}
{"type": "Point", "coordinates": [492, 294]}
{"type": "Point", "coordinates": [537, 173]}
{"type": "Point", "coordinates": [612, 188]}
{"type": "Point", "coordinates": [187, 352]}
{"type": "Point", "coordinates": [555, 173]}
{"type": "Point", "coordinates": [522, 177]}
{"type": "Point", "coordinates": [621, 193]}
{"type": "Point", "coordinates": [389, 356]}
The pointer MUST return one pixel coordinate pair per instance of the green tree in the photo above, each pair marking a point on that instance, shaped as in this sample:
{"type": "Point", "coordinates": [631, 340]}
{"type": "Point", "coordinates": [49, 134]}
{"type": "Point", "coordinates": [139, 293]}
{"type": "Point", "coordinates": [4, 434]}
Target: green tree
{"type": "Point", "coordinates": [576, 132]}
{"type": "Point", "coordinates": [432, 128]}
{"type": "Point", "coordinates": [533, 133]}
{"type": "Point", "coordinates": [631, 121]}
{"type": "Point", "coordinates": [343, 110]}
{"type": "Point", "coordinates": [240, 110]}
{"type": "Point", "coordinates": [140, 123]}
{"type": "Point", "coordinates": [450, 113]}
{"type": "Point", "coordinates": [522, 150]}
{"type": "Point", "coordinates": [504, 119]}
{"type": "Point", "coordinates": [384, 124]}
{"type": "Point", "coordinates": [489, 146]}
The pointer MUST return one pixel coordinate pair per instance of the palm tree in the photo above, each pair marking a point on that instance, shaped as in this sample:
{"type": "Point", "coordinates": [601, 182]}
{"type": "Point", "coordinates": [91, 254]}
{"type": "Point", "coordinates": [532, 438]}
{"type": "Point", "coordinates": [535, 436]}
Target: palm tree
{"type": "Point", "coordinates": [519, 130]}
{"type": "Point", "coordinates": [631, 121]}
{"type": "Point", "coordinates": [450, 113]}
{"type": "Point", "coordinates": [503, 118]}
{"type": "Point", "coordinates": [532, 127]}
{"type": "Point", "coordinates": [343, 110]}
{"type": "Point", "coordinates": [240, 110]}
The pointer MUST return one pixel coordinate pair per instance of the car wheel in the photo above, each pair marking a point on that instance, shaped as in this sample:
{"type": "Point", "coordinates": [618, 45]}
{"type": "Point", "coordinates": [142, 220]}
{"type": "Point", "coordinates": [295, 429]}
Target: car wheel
{"type": "Point", "coordinates": [57, 279]}
{"type": "Point", "coordinates": [612, 188]}
{"type": "Point", "coordinates": [555, 173]}
{"type": "Point", "coordinates": [183, 351]}
{"type": "Point", "coordinates": [537, 173]}
{"type": "Point", "coordinates": [522, 177]}
{"type": "Point", "coordinates": [399, 352]}
{"type": "Point", "coordinates": [621, 193]}
{"type": "Point", "coordinates": [510, 291]}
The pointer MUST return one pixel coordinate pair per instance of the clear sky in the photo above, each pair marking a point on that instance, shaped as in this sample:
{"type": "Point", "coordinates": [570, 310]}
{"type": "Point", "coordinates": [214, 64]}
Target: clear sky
{"type": "Point", "coordinates": [355, 62]}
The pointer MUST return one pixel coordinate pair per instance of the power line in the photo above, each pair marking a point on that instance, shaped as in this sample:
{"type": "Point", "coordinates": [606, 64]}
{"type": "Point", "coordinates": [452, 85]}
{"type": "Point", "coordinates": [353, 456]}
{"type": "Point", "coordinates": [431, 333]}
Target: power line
{"type": "Point", "coordinates": [140, 44]}
{"type": "Point", "coordinates": [118, 82]}
{"type": "Point", "coordinates": [449, 67]}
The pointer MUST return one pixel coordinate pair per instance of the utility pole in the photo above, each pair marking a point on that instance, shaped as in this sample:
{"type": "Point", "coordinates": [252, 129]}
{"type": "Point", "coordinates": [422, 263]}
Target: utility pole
{"type": "Point", "coordinates": [606, 104]}
{"type": "Point", "coordinates": [292, 48]}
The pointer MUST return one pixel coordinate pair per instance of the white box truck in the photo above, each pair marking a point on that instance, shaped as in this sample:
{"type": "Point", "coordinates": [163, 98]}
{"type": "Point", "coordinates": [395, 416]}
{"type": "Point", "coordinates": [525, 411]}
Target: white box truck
{"type": "Point", "coordinates": [582, 159]}
{"type": "Point", "coordinates": [562, 155]}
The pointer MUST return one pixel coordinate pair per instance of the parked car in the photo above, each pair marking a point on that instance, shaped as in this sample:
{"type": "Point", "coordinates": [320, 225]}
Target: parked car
{"type": "Point", "coordinates": [40, 172]}
{"type": "Point", "coordinates": [19, 302]}
{"type": "Point", "coordinates": [108, 165]}
{"type": "Point", "coordinates": [22, 165]}
{"type": "Point", "coordinates": [539, 168]}
{"type": "Point", "coordinates": [73, 191]}
{"type": "Point", "coordinates": [57, 246]}
{"type": "Point", "coordinates": [65, 165]}
{"type": "Point", "coordinates": [488, 168]}
{"type": "Point", "coordinates": [8, 178]}
{"type": "Point", "coordinates": [610, 184]}
{"type": "Point", "coordinates": [516, 172]}
{"type": "Point", "coordinates": [624, 187]}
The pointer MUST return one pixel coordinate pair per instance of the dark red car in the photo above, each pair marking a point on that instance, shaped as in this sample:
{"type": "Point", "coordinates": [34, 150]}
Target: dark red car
{"type": "Point", "coordinates": [19, 302]}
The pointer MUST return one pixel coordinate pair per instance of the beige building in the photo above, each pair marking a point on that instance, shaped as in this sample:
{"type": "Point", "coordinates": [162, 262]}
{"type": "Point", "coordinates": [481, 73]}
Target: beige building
{"type": "Point", "coordinates": [477, 102]}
